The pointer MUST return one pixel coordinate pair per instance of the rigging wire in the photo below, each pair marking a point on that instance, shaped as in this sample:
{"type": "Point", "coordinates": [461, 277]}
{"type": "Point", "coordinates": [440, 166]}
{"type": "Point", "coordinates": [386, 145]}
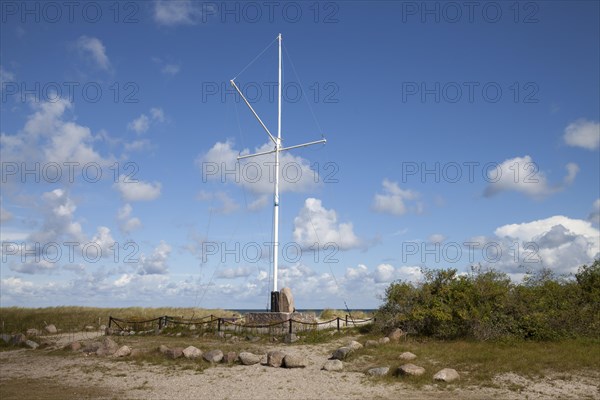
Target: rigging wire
{"type": "Point", "coordinates": [254, 59]}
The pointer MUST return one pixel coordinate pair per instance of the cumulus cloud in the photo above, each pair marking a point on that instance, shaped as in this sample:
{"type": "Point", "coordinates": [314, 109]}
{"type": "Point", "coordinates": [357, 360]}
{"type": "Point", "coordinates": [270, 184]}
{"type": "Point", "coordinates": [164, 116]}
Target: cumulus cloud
{"type": "Point", "coordinates": [94, 48]}
{"type": "Point", "coordinates": [127, 223]}
{"type": "Point", "coordinates": [170, 69]}
{"type": "Point", "coordinates": [180, 12]}
{"type": "Point", "coordinates": [393, 199]}
{"type": "Point", "coordinates": [5, 215]}
{"type": "Point", "coordinates": [137, 190]}
{"type": "Point", "coordinates": [232, 273]}
{"type": "Point", "coordinates": [142, 123]}
{"type": "Point", "coordinates": [594, 216]}
{"type": "Point", "coordinates": [583, 133]}
{"type": "Point", "coordinates": [257, 174]}
{"type": "Point", "coordinates": [521, 174]}
{"type": "Point", "coordinates": [437, 238]}
{"type": "Point", "coordinates": [227, 204]}
{"type": "Point", "coordinates": [316, 224]}
{"type": "Point", "coordinates": [156, 263]}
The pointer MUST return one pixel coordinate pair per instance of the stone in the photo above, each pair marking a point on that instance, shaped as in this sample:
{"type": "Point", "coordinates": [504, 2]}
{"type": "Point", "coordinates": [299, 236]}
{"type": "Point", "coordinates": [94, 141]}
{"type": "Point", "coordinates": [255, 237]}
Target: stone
{"type": "Point", "coordinates": [102, 328]}
{"type": "Point", "coordinates": [286, 301]}
{"type": "Point", "coordinates": [108, 347]}
{"type": "Point", "coordinates": [213, 356]}
{"type": "Point", "coordinates": [411, 369]}
{"type": "Point", "coordinates": [371, 343]}
{"type": "Point", "coordinates": [275, 358]}
{"type": "Point", "coordinates": [384, 340]}
{"type": "Point", "coordinates": [192, 327]}
{"type": "Point", "coordinates": [123, 351]}
{"type": "Point", "coordinates": [174, 353]}
{"type": "Point", "coordinates": [354, 345]}
{"type": "Point", "coordinates": [136, 353]}
{"type": "Point", "coordinates": [92, 347]}
{"type": "Point", "coordinates": [5, 337]}
{"type": "Point", "coordinates": [294, 361]}
{"type": "Point", "coordinates": [192, 352]}
{"type": "Point", "coordinates": [89, 328]}
{"type": "Point", "coordinates": [163, 349]}
{"type": "Point", "coordinates": [51, 329]}
{"type": "Point", "coordinates": [253, 339]}
{"type": "Point", "coordinates": [290, 338]}
{"type": "Point", "coordinates": [32, 332]}
{"type": "Point", "coordinates": [396, 334]}
{"type": "Point", "coordinates": [446, 375]}
{"type": "Point", "coordinates": [333, 365]}
{"type": "Point", "coordinates": [18, 339]}
{"type": "Point", "coordinates": [247, 358]}
{"type": "Point", "coordinates": [230, 357]}
{"type": "Point", "coordinates": [379, 371]}
{"type": "Point", "coordinates": [341, 353]}
{"type": "Point", "coordinates": [407, 356]}
{"type": "Point", "coordinates": [31, 344]}
{"type": "Point", "coordinates": [75, 346]}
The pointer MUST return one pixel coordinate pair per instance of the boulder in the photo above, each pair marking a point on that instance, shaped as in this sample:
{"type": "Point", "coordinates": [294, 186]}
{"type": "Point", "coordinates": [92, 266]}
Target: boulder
{"type": "Point", "coordinates": [192, 352]}
{"type": "Point", "coordinates": [290, 338]}
{"type": "Point", "coordinates": [341, 353]}
{"type": "Point", "coordinates": [123, 351]}
{"type": "Point", "coordinates": [379, 371]}
{"type": "Point", "coordinates": [18, 339]}
{"type": "Point", "coordinates": [51, 329]}
{"type": "Point", "coordinates": [411, 369]}
{"type": "Point", "coordinates": [407, 356]}
{"type": "Point", "coordinates": [371, 343]}
{"type": "Point", "coordinates": [286, 301]}
{"type": "Point", "coordinates": [230, 357]}
{"type": "Point", "coordinates": [136, 353]}
{"type": "Point", "coordinates": [92, 347]}
{"type": "Point", "coordinates": [396, 334]}
{"type": "Point", "coordinates": [275, 358]}
{"type": "Point", "coordinates": [213, 356]}
{"type": "Point", "coordinates": [333, 365]}
{"type": "Point", "coordinates": [354, 345]}
{"type": "Point", "coordinates": [102, 328]}
{"type": "Point", "coordinates": [75, 346]}
{"type": "Point", "coordinates": [5, 338]}
{"type": "Point", "coordinates": [247, 358]}
{"type": "Point", "coordinates": [108, 347]}
{"type": "Point", "coordinates": [32, 332]}
{"type": "Point", "coordinates": [31, 344]}
{"type": "Point", "coordinates": [294, 361]}
{"type": "Point", "coordinates": [163, 349]}
{"type": "Point", "coordinates": [446, 375]}
{"type": "Point", "coordinates": [384, 340]}
{"type": "Point", "coordinates": [174, 352]}
{"type": "Point", "coordinates": [192, 327]}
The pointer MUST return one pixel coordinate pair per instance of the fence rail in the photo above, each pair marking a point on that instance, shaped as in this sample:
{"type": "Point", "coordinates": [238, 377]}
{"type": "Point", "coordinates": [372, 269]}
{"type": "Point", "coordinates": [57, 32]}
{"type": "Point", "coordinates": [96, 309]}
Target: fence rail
{"type": "Point", "coordinates": [227, 324]}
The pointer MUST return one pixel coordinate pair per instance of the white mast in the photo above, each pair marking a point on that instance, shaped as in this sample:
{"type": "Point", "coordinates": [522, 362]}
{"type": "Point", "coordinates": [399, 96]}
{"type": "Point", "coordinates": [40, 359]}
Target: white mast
{"type": "Point", "coordinates": [278, 148]}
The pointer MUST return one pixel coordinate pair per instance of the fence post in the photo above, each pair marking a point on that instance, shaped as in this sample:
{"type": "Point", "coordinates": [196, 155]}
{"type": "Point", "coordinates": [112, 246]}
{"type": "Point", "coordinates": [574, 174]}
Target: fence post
{"type": "Point", "coordinates": [219, 324]}
{"type": "Point", "coordinates": [346, 320]}
{"type": "Point", "coordinates": [291, 330]}
{"type": "Point", "coordinates": [338, 324]}
{"type": "Point", "coordinates": [109, 321]}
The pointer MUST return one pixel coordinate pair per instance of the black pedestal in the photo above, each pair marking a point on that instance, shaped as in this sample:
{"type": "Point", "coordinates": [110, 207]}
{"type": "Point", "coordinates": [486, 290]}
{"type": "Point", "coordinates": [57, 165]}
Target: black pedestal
{"type": "Point", "coordinates": [274, 301]}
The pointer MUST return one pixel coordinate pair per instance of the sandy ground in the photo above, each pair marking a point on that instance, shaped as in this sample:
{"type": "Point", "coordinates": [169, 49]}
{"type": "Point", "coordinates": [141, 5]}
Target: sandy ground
{"type": "Point", "coordinates": [79, 376]}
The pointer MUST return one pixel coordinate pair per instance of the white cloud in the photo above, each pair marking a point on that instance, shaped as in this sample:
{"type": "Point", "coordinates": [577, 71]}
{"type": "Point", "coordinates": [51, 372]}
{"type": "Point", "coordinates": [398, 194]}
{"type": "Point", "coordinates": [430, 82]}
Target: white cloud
{"type": "Point", "coordinates": [127, 223]}
{"type": "Point", "coordinates": [257, 174]}
{"type": "Point", "coordinates": [594, 216]}
{"type": "Point", "coordinates": [93, 47]}
{"type": "Point", "coordinates": [437, 238]}
{"type": "Point", "coordinates": [228, 205]}
{"type": "Point", "coordinates": [137, 190]}
{"type": "Point", "coordinates": [104, 240]}
{"type": "Point", "coordinates": [583, 133]}
{"type": "Point", "coordinates": [5, 76]}
{"type": "Point", "coordinates": [59, 214]}
{"type": "Point", "coordinates": [232, 273]}
{"type": "Point", "coordinates": [170, 69]}
{"type": "Point", "coordinates": [156, 263]}
{"type": "Point", "coordinates": [521, 174]}
{"type": "Point", "coordinates": [138, 145]}
{"type": "Point", "coordinates": [4, 214]}
{"type": "Point", "coordinates": [316, 224]}
{"type": "Point", "coordinates": [180, 12]}
{"type": "Point", "coordinates": [393, 200]}
{"type": "Point", "coordinates": [142, 123]}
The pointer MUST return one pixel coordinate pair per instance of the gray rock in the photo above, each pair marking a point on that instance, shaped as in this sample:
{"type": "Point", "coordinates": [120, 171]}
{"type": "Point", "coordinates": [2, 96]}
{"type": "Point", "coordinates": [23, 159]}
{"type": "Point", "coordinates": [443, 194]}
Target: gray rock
{"type": "Point", "coordinates": [32, 332]}
{"type": "Point", "coordinates": [31, 344]}
{"type": "Point", "coordinates": [379, 371]}
{"type": "Point", "coordinates": [411, 369]}
{"type": "Point", "coordinates": [354, 345]}
{"type": "Point", "coordinates": [230, 357]}
{"type": "Point", "coordinates": [213, 356]}
{"type": "Point", "coordinates": [163, 349]}
{"type": "Point", "coordinates": [51, 329]}
{"type": "Point", "coordinates": [75, 346]}
{"type": "Point", "coordinates": [275, 358]}
{"type": "Point", "coordinates": [5, 337]}
{"type": "Point", "coordinates": [192, 327]}
{"type": "Point", "coordinates": [396, 334]}
{"type": "Point", "coordinates": [290, 338]}
{"type": "Point", "coordinates": [192, 352]}
{"type": "Point", "coordinates": [102, 327]}
{"type": "Point", "coordinates": [371, 343]}
{"type": "Point", "coordinates": [18, 339]}
{"type": "Point", "coordinates": [108, 347]}
{"type": "Point", "coordinates": [384, 340]}
{"type": "Point", "coordinates": [286, 301]}
{"type": "Point", "coordinates": [407, 356]}
{"type": "Point", "coordinates": [247, 358]}
{"type": "Point", "coordinates": [123, 351]}
{"type": "Point", "coordinates": [174, 352]}
{"type": "Point", "coordinates": [92, 347]}
{"type": "Point", "coordinates": [341, 353]}
{"type": "Point", "coordinates": [333, 365]}
{"type": "Point", "coordinates": [294, 361]}
{"type": "Point", "coordinates": [446, 375]}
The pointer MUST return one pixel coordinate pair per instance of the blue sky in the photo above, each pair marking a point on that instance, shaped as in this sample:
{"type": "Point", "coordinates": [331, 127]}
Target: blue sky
{"type": "Point", "coordinates": [458, 134]}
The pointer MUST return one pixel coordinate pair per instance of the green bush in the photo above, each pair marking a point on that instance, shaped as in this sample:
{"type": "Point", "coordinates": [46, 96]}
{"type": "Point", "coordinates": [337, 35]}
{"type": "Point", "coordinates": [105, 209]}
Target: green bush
{"type": "Point", "coordinates": [485, 304]}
